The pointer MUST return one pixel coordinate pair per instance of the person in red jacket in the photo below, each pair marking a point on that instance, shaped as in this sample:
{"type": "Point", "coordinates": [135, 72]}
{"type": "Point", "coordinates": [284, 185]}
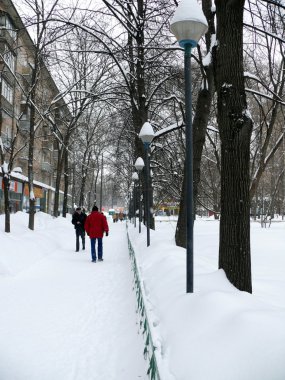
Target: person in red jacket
{"type": "Point", "coordinates": [95, 226]}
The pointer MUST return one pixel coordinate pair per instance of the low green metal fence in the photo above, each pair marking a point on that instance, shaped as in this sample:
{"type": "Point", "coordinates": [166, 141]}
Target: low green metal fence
{"type": "Point", "coordinates": [149, 348]}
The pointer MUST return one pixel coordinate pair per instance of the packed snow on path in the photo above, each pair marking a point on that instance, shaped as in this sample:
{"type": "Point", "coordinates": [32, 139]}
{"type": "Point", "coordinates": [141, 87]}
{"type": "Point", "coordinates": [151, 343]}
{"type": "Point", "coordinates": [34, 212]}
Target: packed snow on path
{"type": "Point", "coordinates": [218, 332]}
{"type": "Point", "coordinates": [63, 317]}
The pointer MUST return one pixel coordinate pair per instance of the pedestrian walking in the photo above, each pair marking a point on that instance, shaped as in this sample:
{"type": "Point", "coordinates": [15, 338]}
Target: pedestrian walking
{"type": "Point", "coordinates": [95, 226]}
{"type": "Point", "coordinates": [78, 220]}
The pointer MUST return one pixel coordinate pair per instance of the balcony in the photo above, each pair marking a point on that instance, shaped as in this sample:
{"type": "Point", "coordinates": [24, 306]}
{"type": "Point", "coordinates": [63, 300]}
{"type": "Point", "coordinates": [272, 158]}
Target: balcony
{"type": "Point", "coordinates": [6, 37]}
{"type": "Point", "coordinates": [46, 167]}
{"type": "Point", "coordinates": [7, 106]}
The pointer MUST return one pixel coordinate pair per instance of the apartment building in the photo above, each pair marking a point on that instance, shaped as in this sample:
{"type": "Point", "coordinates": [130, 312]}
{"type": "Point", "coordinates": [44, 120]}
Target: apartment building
{"type": "Point", "coordinates": [17, 66]}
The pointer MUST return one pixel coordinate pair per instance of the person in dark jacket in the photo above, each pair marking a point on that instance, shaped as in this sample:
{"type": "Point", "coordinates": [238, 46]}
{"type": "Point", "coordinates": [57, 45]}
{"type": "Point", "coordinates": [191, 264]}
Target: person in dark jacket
{"type": "Point", "coordinates": [78, 220]}
{"type": "Point", "coordinates": [95, 226]}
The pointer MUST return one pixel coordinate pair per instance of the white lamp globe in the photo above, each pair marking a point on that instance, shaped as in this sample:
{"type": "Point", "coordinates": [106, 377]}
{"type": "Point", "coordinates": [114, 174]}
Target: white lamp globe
{"type": "Point", "coordinates": [139, 164]}
{"type": "Point", "coordinates": [146, 133]}
{"type": "Point", "coordinates": [189, 23]}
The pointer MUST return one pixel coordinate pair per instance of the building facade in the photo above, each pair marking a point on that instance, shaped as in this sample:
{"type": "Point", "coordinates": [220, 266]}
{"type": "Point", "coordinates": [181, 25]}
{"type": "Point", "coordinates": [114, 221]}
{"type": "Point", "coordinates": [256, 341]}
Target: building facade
{"type": "Point", "coordinates": [17, 77]}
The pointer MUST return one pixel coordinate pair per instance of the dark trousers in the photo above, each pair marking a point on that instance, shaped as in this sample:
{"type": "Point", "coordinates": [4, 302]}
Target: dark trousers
{"type": "Point", "coordinates": [80, 233]}
{"type": "Point", "coordinates": [100, 248]}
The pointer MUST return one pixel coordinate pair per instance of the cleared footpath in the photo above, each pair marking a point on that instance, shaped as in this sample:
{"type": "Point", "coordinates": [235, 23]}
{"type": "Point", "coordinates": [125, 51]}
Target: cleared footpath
{"type": "Point", "coordinates": [65, 318]}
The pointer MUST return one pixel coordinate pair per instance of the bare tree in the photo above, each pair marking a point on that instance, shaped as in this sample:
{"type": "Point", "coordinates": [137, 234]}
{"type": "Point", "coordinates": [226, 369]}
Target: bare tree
{"type": "Point", "coordinates": [44, 36]}
{"type": "Point", "coordinates": [235, 128]}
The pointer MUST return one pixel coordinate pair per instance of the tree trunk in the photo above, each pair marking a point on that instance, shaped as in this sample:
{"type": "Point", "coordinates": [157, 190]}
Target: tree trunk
{"type": "Point", "coordinates": [66, 184]}
{"type": "Point", "coordinates": [6, 179]}
{"type": "Point", "coordinates": [58, 179]}
{"type": "Point", "coordinates": [31, 157]}
{"type": "Point", "coordinates": [181, 230]}
{"type": "Point", "coordinates": [138, 90]}
{"type": "Point", "coordinates": [235, 131]}
{"type": "Point", "coordinates": [6, 183]}
{"type": "Point", "coordinates": [73, 186]}
{"type": "Point", "coordinates": [199, 132]}
{"type": "Point", "coordinates": [90, 191]}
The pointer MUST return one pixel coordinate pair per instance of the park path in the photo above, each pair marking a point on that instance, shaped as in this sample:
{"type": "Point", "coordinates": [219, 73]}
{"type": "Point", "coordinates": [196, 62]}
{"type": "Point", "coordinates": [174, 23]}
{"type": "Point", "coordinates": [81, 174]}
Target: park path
{"type": "Point", "coordinates": [66, 318]}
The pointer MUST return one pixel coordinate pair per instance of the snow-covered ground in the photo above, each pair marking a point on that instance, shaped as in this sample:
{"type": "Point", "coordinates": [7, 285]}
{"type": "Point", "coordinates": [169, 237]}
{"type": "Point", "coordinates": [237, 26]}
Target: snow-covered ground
{"type": "Point", "coordinates": [218, 332]}
{"type": "Point", "coordinates": [63, 317]}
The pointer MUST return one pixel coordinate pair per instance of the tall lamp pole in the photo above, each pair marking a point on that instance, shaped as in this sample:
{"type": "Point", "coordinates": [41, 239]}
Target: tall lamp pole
{"type": "Point", "coordinates": [188, 25]}
{"type": "Point", "coordinates": [146, 135]}
{"type": "Point", "coordinates": [130, 204]}
{"type": "Point", "coordinates": [135, 178]}
{"type": "Point", "coordinates": [139, 165]}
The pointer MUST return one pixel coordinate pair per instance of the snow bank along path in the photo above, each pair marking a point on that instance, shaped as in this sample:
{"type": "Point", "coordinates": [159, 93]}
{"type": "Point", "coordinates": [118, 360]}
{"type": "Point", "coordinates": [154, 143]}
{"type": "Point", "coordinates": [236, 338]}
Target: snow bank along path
{"type": "Point", "coordinates": [63, 317]}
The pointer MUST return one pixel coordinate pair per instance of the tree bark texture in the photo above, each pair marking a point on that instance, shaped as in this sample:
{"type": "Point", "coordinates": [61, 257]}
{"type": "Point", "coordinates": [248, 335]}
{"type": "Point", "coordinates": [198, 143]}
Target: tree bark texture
{"type": "Point", "coordinates": [235, 130]}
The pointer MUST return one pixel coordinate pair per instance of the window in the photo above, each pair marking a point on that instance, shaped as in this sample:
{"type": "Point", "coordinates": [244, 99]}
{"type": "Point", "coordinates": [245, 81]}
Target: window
{"type": "Point", "coordinates": [9, 59]}
{"type": "Point", "coordinates": [6, 22]}
{"type": "Point", "coordinates": [46, 156]}
{"type": "Point", "coordinates": [24, 111]}
{"type": "Point", "coordinates": [8, 132]}
{"type": "Point", "coordinates": [57, 113]}
{"type": "Point", "coordinates": [7, 91]}
{"type": "Point", "coordinates": [7, 137]}
{"type": "Point", "coordinates": [55, 145]}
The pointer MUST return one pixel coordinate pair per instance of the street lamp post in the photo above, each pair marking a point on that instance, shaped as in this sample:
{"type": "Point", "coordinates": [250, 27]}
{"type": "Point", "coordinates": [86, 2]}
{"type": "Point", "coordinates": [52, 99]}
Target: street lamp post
{"type": "Point", "coordinates": [130, 204]}
{"type": "Point", "coordinates": [188, 25]}
{"type": "Point", "coordinates": [139, 165]}
{"type": "Point", "coordinates": [146, 135]}
{"type": "Point", "coordinates": [135, 178]}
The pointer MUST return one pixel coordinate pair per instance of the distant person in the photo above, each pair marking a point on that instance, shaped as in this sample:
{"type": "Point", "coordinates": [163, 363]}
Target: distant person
{"type": "Point", "coordinates": [95, 226]}
{"type": "Point", "coordinates": [78, 220]}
